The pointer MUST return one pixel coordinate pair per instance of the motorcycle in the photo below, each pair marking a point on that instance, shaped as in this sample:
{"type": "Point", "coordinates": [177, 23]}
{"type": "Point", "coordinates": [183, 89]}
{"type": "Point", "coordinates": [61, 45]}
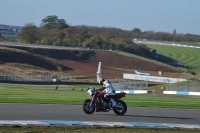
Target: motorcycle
{"type": "Point", "coordinates": [101, 104]}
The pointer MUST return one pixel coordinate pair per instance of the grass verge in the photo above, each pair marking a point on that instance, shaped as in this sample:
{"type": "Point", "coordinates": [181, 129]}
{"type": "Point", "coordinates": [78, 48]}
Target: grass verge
{"type": "Point", "coordinates": [75, 95]}
{"type": "Point", "coordinates": [67, 129]}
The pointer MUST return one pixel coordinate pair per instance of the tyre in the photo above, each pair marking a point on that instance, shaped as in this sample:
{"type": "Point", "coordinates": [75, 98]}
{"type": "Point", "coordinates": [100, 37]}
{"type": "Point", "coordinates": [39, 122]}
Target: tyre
{"type": "Point", "coordinates": [120, 111]}
{"type": "Point", "coordinates": [87, 108]}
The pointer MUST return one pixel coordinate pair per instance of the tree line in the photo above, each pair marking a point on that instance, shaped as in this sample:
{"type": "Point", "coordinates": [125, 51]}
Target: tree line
{"type": "Point", "coordinates": [55, 31]}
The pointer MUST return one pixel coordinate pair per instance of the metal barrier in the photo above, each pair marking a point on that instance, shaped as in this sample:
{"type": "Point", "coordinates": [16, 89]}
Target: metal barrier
{"type": "Point", "coordinates": [42, 78]}
{"type": "Point", "coordinates": [131, 85]}
{"type": "Point", "coordinates": [190, 86]}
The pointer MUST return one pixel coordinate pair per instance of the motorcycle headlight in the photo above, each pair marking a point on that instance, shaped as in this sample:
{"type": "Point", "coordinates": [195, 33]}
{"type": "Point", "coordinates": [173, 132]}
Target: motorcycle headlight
{"type": "Point", "coordinates": [91, 91]}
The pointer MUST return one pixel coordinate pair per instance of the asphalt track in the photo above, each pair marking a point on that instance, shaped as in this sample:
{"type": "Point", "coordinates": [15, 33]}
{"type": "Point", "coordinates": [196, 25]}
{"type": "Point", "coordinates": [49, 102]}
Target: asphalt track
{"type": "Point", "coordinates": [74, 113]}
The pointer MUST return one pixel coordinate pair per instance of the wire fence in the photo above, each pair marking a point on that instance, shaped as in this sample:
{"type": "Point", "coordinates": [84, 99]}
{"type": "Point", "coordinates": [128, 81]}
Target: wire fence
{"type": "Point", "coordinates": [117, 84]}
{"type": "Point", "coordinates": [131, 85]}
{"type": "Point", "coordinates": [34, 78]}
{"type": "Point", "coordinates": [193, 86]}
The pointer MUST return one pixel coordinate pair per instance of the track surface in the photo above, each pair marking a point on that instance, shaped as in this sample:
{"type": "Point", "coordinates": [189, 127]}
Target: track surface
{"type": "Point", "coordinates": [75, 113]}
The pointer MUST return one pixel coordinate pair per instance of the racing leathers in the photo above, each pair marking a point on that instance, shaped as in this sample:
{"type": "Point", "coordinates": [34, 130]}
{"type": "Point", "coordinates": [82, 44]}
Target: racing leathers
{"type": "Point", "coordinates": [110, 92]}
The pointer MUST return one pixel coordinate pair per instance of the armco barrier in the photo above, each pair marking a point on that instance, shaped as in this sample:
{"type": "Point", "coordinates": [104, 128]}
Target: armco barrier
{"type": "Point", "coordinates": [182, 93]}
{"type": "Point", "coordinates": [133, 91]}
{"type": "Point", "coordinates": [96, 123]}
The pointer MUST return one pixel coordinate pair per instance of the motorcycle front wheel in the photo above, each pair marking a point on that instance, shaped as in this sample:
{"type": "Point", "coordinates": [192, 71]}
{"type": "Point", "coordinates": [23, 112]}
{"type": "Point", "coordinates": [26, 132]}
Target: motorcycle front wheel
{"type": "Point", "coordinates": [120, 111]}
{"type": "Point", "coordinates": [87, 108]}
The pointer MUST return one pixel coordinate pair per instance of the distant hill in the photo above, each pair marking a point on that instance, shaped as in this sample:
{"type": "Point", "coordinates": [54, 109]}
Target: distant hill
{"type": "Point", "coordinates": [75, 63]}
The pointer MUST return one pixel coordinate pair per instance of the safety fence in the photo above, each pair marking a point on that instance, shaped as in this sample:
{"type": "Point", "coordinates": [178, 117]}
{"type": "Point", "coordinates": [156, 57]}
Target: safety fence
{"type": "Point", "coordinates": [131, 85]}
{"type": "Point", "coordinates": [34, 78]}
{"type": "Point", "coordinates": [190, 86]}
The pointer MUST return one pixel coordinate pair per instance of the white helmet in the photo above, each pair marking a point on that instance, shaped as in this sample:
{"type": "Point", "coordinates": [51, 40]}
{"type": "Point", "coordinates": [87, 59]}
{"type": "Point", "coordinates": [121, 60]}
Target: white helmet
{"type": "Point", "coordinates": [101, 80]}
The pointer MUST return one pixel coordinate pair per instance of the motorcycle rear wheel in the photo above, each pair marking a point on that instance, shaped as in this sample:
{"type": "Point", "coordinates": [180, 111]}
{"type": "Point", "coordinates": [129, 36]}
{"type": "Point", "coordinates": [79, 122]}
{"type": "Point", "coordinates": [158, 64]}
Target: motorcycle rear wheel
{"type": "Point", "coordinates": [120, 111]}
{"type": "Point", "coordinates": [87, 108]}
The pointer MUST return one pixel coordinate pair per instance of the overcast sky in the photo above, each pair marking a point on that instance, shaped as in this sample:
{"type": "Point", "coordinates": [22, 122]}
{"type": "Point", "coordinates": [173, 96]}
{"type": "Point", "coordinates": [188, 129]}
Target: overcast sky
{"type": "Point", "coordinates": [157, 15]}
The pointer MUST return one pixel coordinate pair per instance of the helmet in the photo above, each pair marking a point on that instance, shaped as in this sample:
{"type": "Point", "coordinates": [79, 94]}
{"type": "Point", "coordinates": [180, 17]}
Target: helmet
{"type": "Point", "coordinates": [101, 80]}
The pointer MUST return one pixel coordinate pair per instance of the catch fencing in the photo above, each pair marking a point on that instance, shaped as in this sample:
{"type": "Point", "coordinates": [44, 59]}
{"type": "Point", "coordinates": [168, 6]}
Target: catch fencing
{"type": "Point", "coordinates": [118, 85]}
{"type": "Point", "coordinates": [189, 85]}
{"type": "Point", "coordinates": [131, 85]}
{"type": "Point", "coordinates": [36, 78]}
{"type": "Point", "coordinates": [192, 86]}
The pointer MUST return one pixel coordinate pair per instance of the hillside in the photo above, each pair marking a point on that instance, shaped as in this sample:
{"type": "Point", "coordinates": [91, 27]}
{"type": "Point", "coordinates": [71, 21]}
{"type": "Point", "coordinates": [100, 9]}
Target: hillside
{"type": "Point", "coordinates": [188, 57]}
{"type": "Point", "coordinates": [20, 60]}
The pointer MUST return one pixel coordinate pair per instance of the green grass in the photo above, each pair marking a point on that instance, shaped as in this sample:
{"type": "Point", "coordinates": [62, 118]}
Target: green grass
{"type": "Point", "coordinates": [188, 56]}
{"type": "Point", "coordinates": [11, 93]}
{"type": "Point", "coordinates": [59, 129]}
{"type": "Point", "coordinates": [146, 59]}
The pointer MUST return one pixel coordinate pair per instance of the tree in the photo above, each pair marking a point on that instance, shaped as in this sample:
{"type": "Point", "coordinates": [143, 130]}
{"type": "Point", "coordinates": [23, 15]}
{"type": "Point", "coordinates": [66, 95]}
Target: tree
{"type": "Point", "coordinates": [121, 41]}
{"type": "Point", "coordinates": [62, 24]}
{"type": "Point", "coordinates": [136, 33]}
{"type": "Point", "coordinates": [52, 22]}
{"type": "Point", "coordinates": [136, 30]}
{"type": "Point", "coordinates": [174, 32]}
{"type": "Point", "coordinates": [29, 34]}
{"type": "Point", "coordinates": [105, 36]}
{"type": "Point", "coordinates": [17, 31]}
{"type": "Point", "coordinates": [174, 35]}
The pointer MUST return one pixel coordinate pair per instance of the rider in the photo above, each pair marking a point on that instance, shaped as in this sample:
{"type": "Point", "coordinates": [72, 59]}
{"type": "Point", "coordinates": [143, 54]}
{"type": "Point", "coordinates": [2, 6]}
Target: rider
{"type": "Point", "coordinates": [108, 88]}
